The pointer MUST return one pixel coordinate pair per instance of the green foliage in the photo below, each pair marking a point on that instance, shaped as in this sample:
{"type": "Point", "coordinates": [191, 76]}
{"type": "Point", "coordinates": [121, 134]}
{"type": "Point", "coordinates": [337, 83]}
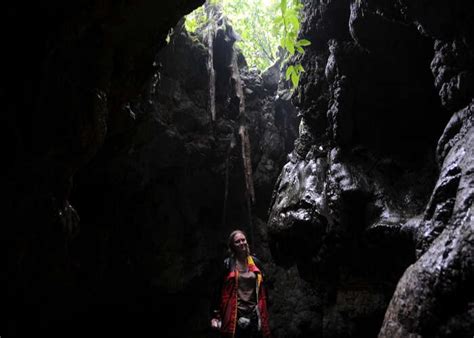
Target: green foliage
{"type": "Point", "coordinates": [263, 25]}
{"type": "Point", "coordinates": [253, 20]}
{"type": "Point", "coordinates": [293, 72]}
{"type": "Point", "coordinates": [195, 20]}
{"type": "Point", "coordinates": [287, 26]}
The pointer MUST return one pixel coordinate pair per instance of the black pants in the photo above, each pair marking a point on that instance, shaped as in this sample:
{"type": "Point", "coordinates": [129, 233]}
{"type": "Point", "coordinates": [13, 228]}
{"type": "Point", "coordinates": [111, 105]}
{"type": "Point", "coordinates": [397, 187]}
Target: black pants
{"type": "Point", "coordinates": [239, 333]}
{"type": "Point", "coordinates": [251, 331]}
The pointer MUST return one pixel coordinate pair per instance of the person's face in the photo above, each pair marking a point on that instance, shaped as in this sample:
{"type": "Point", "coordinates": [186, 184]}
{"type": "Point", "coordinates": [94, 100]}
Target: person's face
{"type": "Point", "coordinates": [240, 243]}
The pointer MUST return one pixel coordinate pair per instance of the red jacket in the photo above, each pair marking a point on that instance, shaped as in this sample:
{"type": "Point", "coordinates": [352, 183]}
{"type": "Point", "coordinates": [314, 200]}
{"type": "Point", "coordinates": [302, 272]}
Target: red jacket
{"type": "Point", "coordinates": [228, 301]}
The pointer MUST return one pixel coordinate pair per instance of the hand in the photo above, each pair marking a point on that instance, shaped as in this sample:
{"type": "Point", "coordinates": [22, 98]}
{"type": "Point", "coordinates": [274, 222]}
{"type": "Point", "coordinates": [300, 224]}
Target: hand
{"type": "Point", "coordinates": [215, 323]}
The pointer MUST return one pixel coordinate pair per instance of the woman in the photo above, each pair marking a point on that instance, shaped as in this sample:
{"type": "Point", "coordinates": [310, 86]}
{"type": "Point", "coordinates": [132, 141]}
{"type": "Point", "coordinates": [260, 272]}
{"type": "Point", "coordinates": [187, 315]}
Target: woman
{"type": "Point", "coordinates": [241, 308]}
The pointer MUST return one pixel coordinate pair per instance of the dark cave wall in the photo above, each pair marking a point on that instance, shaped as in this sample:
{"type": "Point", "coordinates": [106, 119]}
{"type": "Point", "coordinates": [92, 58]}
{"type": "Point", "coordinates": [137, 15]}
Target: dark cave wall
{"type": "Point", "coordinates": [374, 185]}
{"type": "Point", "coordinates": [68, 69]}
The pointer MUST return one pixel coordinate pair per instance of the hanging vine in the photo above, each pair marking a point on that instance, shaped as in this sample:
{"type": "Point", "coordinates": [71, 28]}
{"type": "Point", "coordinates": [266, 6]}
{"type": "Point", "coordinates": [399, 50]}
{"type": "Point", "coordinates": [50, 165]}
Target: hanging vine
{"type": "Point", "coordinates": [211, 33]}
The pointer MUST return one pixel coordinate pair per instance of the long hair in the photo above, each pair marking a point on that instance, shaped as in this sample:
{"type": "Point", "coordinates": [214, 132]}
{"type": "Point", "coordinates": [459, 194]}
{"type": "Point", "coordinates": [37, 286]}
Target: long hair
{"type": "Point", "coordinates": [230, 242]}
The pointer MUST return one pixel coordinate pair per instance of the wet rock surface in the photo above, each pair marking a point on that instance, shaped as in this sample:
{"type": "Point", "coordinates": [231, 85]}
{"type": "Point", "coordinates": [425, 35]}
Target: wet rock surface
{"type": "Point", "coordinates": [373, 184]}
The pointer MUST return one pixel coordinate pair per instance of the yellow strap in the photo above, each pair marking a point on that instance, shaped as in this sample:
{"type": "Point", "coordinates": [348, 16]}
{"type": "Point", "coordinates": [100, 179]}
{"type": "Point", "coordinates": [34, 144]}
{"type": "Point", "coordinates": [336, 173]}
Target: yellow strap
{"type": "Point", "coordinates": [259, 275]}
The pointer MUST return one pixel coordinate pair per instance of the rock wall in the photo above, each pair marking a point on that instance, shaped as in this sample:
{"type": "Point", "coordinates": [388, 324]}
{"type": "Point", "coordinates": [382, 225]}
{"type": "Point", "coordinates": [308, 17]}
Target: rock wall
{"type": "Point", "coordinates": [375, 203]}
{"type": "Point", "coordinates": [68, 70]}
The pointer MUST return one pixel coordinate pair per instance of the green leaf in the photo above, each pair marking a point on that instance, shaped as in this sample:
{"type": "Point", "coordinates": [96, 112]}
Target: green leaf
{"type": "Point", "coordinates": [294, 21]}
{"type": "Point", "coordinates": [303, 42]}
{"type": "Point", "coordinates": [283, 6]}
{"type": "Point", "coordinates": [291, 12]}
{"type": "Point", "coordinates": [295, 79]}
{"type": "Point", "coordinates": [299, 49]}
{"type": "Point", "coordinates": [290, 70]}
{"type": "Point", "coordinates": [291, 48]}
{"type": "Point", "coordinates": [278, 20]}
